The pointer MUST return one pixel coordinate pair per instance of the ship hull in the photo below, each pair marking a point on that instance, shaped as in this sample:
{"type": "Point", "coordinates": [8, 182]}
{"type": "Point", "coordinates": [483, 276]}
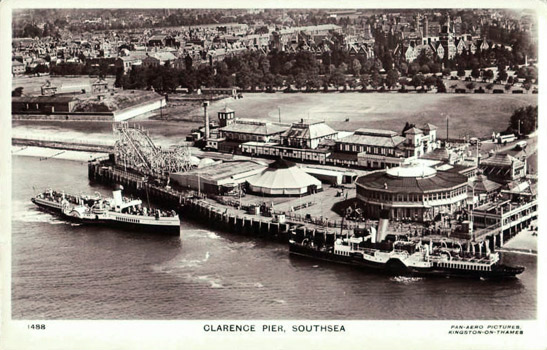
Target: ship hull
{"type": "Point", "coordinates": [150, 226]}
{"type": "Point", "coordinates": [127, 226]}
{"type": "Point", "coordinates": [398, 268]}
{"type": "Point", "coordinates": [47, 206]}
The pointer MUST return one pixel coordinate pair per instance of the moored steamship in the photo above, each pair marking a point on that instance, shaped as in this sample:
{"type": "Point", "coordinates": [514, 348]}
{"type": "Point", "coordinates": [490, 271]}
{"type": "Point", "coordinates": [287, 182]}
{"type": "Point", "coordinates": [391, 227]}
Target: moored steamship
{"type": "Point", "coordinates": [117, 211]}
{"type": "Point", "coordinates": [396, 255]}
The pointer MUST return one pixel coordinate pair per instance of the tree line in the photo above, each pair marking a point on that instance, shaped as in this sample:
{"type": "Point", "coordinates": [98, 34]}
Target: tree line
{"type": "Point", "coordinates": [527, 117]}
{"type": "Point", "coordinates": [300, 71]}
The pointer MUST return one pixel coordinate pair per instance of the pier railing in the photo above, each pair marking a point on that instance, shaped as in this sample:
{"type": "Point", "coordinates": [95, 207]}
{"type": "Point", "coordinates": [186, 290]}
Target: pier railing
{"type": "Point", "coordinates": [487, 231]}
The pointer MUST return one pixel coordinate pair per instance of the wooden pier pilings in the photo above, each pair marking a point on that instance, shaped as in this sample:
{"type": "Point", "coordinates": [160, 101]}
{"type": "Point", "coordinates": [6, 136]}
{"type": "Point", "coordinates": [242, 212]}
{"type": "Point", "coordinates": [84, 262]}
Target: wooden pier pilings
{"type": "Point", "coordinates": [190, 208]}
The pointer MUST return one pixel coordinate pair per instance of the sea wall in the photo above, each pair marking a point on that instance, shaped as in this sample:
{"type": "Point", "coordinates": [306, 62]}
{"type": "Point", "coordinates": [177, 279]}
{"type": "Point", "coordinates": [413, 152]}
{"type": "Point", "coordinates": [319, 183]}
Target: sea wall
{"type": "Point", "coordinates": [73, 146]}
{"type": "Point", "coordinates": [139, 109]}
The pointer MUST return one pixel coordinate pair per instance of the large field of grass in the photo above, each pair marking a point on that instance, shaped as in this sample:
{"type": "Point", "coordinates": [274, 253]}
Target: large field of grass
{"type": "Point", "coordinates": [470, 114]}
{"type": "Point", "coordinates": [476, 115]}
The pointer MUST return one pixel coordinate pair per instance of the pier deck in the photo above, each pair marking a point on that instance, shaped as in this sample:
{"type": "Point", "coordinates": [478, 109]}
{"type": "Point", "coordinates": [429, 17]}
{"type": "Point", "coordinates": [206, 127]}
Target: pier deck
{"type": "Point", "coordinates": [310, 213]}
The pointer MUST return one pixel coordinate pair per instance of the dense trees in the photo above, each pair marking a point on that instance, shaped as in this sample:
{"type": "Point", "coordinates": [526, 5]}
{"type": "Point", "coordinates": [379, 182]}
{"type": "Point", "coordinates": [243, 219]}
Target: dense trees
{"type": "Point", "coordinates": [17, 92]}
{"type": "Point", "coordinates": [161, 79]}
{"type": "Point", "coordinates": [68, 68]}
{"type": "Point", "coordinates": [418, 80]}
{"type": "Point", "coordinates": [502, 75]}
{"type": "Point", "coordinates": [488, 74]}
{"type": "Point", "coordinates": [527, 117]}
{"type": "Point", "coordinates": [441, 88]}
{"type": "Point", "coordinates": [392, 78]}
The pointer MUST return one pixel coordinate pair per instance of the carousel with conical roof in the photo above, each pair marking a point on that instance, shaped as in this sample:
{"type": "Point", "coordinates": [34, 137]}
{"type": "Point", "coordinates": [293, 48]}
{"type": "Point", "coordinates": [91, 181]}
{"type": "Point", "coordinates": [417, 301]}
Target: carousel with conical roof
{"type": "Point", "coordinates": [283, 178]}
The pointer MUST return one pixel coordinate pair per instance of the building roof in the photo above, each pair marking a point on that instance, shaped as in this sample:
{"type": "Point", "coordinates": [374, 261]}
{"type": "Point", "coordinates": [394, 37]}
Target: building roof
{"type": "Point", "coordinates": [226, 110]}
{"type": "Point", "coordinates": [164, 56]}
{"type": "Point", "coordinates": [413, 131]}
{"type": "Point", "coordinates": [282, 164]}
{"type": "Point", "coordinates": [411, 170]}
{"type": "Point", "coordinates": [43, 99]}
{"type": "Point", "coordinates": [227, 169]}
{"type": "Point", "coordinates": [519, 186]}
{"type": "Point", "coordinates": [438, 154]}
{"type": "Point", "coordinates": [501, 160]}
{"type": "Point", "coordinates": [381, 180]}
{"type": "Point", "coordinates": [428, 126]}
{"type": "Point", "coordinates": [377, 141]}
{"type": "Point", "coordinates": [483, 184]}
{"type": "Point", "coordinates": [134, 56]}
{"type": "Point", "coordinates": [282, 175]}
{"type": "Point", "coordinates": [309, 130]}
{"type": "Point", "coordinates": [258, 128]}
{"type": "Point", "coordinates": [375, 132]}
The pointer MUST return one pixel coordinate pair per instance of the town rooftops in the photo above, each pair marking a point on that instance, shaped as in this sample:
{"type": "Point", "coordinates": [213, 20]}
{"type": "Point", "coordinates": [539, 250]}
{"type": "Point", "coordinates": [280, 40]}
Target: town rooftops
{"type": "Point", "coordinates": [164, 56]}
{"type": "Point", "coordinates": [158, 37]}
{"type": "Point", "coordinates": [134, 56]}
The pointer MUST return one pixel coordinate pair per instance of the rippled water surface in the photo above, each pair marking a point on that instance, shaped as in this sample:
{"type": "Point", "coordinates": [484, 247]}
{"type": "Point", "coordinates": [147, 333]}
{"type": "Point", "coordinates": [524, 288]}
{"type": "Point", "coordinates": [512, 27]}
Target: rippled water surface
{"type": "Point", "coordinates": [66, 271]}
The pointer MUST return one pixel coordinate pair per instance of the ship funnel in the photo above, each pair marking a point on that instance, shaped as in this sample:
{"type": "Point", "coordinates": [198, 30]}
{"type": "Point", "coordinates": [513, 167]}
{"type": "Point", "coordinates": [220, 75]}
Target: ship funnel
{"type": "Point", "coordinates": [372, 235]}
{"type": "Point", "coordinates": [117, 195]}
{"type": "Point", "coordinates": [382, 225]}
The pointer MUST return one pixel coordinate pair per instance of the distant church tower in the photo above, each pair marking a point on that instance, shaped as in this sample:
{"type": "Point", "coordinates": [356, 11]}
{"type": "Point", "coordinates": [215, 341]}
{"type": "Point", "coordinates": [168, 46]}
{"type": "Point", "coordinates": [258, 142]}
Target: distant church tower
{"type": "Point", "coordinates": [226, 117]}
{"type": "Point", "coordinates": [426, 27]}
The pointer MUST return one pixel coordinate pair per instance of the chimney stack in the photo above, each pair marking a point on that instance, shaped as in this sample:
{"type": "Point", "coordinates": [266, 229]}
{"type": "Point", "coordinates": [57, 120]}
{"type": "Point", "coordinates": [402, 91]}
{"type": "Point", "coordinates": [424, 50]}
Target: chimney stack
{"type": "Point", "coordinates": [205, 105]}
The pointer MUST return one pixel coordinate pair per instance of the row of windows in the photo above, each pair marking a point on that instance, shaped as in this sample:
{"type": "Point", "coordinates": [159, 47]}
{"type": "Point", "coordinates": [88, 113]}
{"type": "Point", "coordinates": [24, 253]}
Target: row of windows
{"type": "Point", "coordinates": [369, 149]}
{"type": "Point", "coordinates": [135, 221]}
{"type": "Point", "coordinates": [341, 252]}
{"type": "Point", "coordinates": [286, 153]}
{"type": "Point", "coordinates": [411, 197]}
{"type": "Point", "coordinates": [465, 266]}
{"type": "Point", "coordinates": [244, 137]}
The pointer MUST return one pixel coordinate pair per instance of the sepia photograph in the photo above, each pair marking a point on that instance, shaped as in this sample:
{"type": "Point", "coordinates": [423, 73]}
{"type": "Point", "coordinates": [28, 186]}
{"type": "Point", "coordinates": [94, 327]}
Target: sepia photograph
{"type": "Point", "coordinates": [272, 172]}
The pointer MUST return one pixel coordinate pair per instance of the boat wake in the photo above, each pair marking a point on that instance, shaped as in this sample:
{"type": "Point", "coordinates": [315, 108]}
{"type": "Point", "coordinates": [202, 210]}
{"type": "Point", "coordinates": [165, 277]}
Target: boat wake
{"type": "Point", "coordinates": [245, 246]}
{"type": "Point", "coordinates": [30, 214]}
{"type": "Point", "coordinates": [192, 262]}
{"type": "Point", "coordinates": [214, 282]}
{"type": "Point", "coordinates": [175, 264]}
{"type": "Point", "coordinates": [201, 234]}
{"type": "Point", "coordinates": [405, 279]}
